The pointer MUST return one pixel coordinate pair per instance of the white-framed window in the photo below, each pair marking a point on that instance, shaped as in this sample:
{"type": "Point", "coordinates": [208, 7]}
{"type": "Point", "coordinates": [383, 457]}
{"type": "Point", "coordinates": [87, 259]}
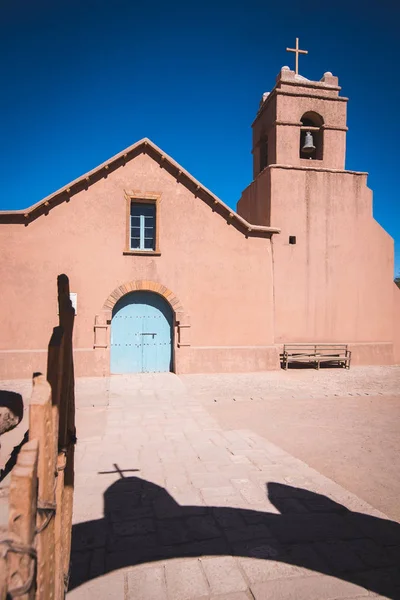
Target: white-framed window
{"type": "Point", "coordinates": [143, 226]}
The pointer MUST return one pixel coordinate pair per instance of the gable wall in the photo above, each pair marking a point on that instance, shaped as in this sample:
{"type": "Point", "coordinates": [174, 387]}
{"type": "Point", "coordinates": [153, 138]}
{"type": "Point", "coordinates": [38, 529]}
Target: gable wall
{"type": "Point", "coordinates": [223, 280]}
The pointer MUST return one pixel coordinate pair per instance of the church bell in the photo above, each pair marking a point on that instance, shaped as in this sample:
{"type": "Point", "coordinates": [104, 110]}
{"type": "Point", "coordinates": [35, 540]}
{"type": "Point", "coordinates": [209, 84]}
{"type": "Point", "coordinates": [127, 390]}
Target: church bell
{"type": "Point", "coordinates": [308, 143]}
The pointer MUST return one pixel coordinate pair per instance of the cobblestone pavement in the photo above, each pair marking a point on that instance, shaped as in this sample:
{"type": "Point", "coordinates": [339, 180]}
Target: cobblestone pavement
{"type": "Point", "coordinates": [201, 512]}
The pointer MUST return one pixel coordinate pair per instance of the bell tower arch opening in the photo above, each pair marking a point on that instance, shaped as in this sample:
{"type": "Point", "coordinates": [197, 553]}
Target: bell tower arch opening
{"type": "Point", "coordinates": [304, 120]}
{"type": "Point", "coordinates": [311, 136]}
{"type": "Point", "coordinates": [297, 122]}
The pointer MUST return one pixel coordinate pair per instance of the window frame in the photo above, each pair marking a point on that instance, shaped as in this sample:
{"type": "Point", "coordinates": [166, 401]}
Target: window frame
{"type": "Point", "coordinates": [140, 198]}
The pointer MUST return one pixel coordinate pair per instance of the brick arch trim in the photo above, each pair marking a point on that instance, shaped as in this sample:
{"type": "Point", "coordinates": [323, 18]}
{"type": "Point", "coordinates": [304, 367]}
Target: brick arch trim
{"type": "Point", "coordinates": [149, 286]}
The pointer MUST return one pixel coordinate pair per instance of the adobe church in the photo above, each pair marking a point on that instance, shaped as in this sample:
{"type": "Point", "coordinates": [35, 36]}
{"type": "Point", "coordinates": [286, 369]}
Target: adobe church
{"type": "Point", "coordinates": [165, 276]}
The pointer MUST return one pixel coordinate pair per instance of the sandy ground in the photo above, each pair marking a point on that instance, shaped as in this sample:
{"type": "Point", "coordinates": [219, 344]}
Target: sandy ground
{"type": "Point", "coordinates": [354, 442]}
{"type": "Point", "coordinates": [345, 424]}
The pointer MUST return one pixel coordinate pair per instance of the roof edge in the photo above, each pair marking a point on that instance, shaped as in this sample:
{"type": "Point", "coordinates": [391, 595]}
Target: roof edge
{"type": "Point", "coordinates": [145, 144]}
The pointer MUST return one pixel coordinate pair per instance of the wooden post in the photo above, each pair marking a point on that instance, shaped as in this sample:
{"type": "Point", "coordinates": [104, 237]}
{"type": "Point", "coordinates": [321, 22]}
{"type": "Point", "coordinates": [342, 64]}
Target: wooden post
{"type": "Point", "coordinates": [22, 522]}
{"type": "Point", "coordinates": [66, 436]}
{"type": "Point", "coordinates": [59, 534]}
{"type": "Point", "coordinates": [54, 377]}
{"type": "Point", "coordinates": [66, 314]}
{"type": "Point", "coordinates": [41, 428]}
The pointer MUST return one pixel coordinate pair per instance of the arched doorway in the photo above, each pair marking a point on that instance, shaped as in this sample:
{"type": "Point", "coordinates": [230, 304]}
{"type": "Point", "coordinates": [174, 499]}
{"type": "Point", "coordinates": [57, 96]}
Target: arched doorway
{"type": "Point", "coordinates": [141, 334]}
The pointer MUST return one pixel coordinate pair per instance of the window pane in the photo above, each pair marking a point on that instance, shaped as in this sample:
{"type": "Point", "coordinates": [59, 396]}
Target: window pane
{"type": "Point", "coordinates": [135, 243]}
{"type": "Point", "coordinates": [135, 232]}
{"type": "Point", "coordinates": [143, 208]}
{"type": "Point", "coordinates": [135, 210]}
{"type": "Point", "coordinates": [148, 210]}
{"type": "Point", "coordinates": [148, 232]}
{"type": "Point", "coordinates": [149, 244]}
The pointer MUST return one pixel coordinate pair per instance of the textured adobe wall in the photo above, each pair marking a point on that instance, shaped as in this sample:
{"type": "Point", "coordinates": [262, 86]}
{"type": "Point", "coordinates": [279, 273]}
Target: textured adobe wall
{"type": "Point", "coordinates": [222, 277]}
{"type": "Point", "coordinates": [396, 324]}
{"type": "Point", "coordinates": [254, 205]}
{"type": "Point", "coordinates": [336, 283]}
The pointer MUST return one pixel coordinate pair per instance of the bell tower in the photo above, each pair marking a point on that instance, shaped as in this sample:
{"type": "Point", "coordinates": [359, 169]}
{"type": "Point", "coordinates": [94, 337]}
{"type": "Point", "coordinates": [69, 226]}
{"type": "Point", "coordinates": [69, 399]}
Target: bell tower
{"type": "Point", "coordinates": [300, 123]}
{"type": "Point", "coordinates": [329, 248]}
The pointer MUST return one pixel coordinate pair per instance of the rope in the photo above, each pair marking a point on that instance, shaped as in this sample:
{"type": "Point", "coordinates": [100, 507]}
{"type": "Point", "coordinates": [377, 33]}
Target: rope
{"type": "Point", "coordinates": [71, 441]}
{"type": "Point", "coordinates": [8, 545]}
{"type": "Point", "coordinates": [49, 509]}
{"type": "Point", "coordinates": [62, 466]}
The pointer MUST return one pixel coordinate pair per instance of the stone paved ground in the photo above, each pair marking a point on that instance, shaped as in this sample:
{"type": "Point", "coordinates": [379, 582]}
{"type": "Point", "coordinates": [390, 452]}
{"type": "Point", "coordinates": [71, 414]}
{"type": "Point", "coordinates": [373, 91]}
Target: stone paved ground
{"type": "Point", "coordinates": [207, 512]}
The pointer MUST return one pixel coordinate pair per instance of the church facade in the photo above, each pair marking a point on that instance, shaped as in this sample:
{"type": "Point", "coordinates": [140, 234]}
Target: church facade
{"type": "Point", "coordinates": [166, 277]}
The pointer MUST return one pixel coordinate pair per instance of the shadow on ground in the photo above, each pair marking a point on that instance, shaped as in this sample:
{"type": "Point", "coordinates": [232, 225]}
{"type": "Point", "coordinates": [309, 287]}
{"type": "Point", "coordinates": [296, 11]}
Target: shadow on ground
{"type": "Point", "coordinates": [12, 461]}
{"type": "Point", "coordinates": [11, 414]}
{"type": "Point", "coordinates": [143, 523]}
{"type": "Point", "coordinates": [13, 403]}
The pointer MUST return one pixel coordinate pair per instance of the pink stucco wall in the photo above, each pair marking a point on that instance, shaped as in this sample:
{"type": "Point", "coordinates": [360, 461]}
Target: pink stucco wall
{"type": "Point", "coordinates": [254, 204]}
{"type": "Point", "coordinates": [396, 324]}
{"type": "Point", "coordinates": [222, 277]}
{"type": "Point", "coordinates": [336, 282]}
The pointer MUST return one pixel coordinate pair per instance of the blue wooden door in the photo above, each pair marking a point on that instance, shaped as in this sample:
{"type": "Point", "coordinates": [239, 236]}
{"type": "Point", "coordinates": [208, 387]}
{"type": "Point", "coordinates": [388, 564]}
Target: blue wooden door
{"type": "Point", "coordinates": [141, 334]}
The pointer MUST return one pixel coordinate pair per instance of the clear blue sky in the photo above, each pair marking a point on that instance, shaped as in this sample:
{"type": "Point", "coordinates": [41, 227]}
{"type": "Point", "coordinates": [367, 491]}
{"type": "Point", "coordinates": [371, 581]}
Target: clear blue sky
{"type": "Point", "coordinates": [83, 79]}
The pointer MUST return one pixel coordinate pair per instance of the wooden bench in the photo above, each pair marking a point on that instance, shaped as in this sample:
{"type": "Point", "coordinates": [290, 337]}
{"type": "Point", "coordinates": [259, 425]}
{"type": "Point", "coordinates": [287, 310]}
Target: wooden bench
{"type": "Point", "coordinates": [316, 353]}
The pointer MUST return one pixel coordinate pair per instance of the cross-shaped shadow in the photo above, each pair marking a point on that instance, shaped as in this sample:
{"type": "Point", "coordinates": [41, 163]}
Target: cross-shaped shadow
{"type": "Point", "coordinates": [143, 523]}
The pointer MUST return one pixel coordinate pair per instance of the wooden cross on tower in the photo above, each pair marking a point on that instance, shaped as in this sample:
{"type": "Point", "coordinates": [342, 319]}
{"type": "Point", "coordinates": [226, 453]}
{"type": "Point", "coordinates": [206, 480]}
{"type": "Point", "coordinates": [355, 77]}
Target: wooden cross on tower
{"type": "Point", "coordinates": [297, 51]}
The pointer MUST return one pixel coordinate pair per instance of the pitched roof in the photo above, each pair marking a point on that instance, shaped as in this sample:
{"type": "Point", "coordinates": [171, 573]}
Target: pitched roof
{"type": "Point", "coordinates": [145, 145]}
